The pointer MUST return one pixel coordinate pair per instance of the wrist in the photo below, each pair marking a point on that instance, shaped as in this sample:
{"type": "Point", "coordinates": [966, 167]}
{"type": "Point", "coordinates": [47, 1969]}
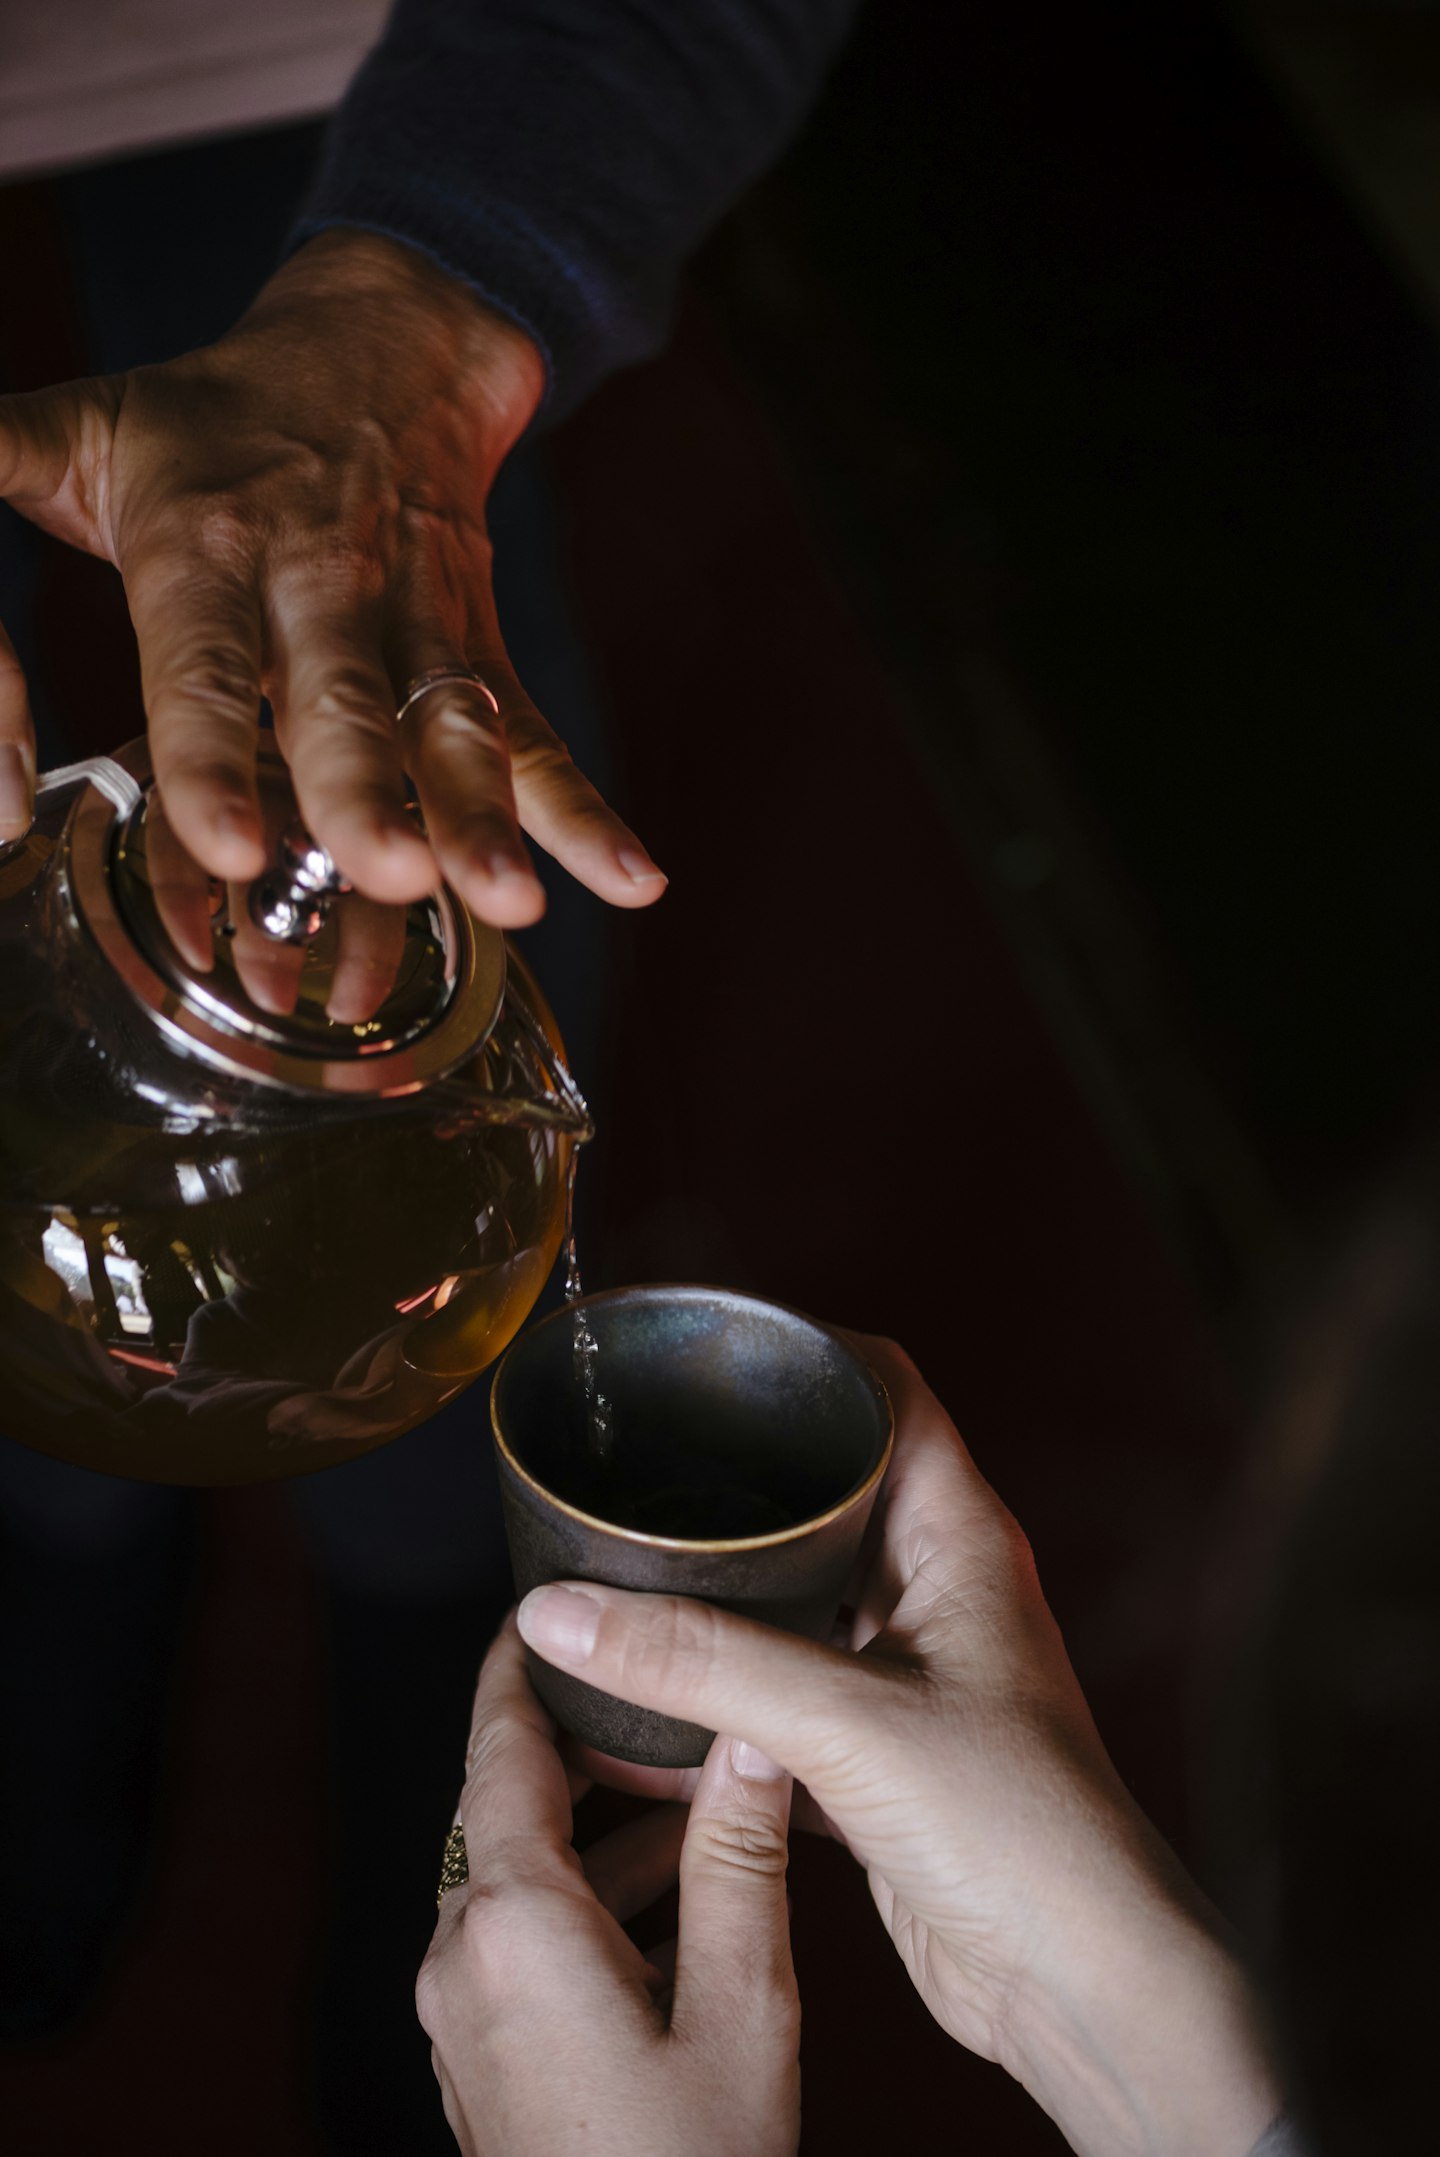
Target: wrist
{"type": "Point", "coordinates": [412, 317]}
{"type": "Point", "coordinates": [1151, 2043]}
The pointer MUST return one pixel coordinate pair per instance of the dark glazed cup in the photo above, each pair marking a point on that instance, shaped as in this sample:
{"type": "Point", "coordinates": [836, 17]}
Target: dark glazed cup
{"type": "Point", "coordinates": [749, 1443]}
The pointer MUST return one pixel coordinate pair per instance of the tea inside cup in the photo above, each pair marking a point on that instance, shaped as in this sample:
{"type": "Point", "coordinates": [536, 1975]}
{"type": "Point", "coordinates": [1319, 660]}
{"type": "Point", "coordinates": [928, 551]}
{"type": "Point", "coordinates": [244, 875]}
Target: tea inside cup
{"type": "Point", "coordinates": [740, 1456]}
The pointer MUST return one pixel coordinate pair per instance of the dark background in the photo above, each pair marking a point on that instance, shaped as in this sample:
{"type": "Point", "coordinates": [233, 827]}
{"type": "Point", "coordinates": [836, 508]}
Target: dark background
{"type": "Point", "coordinates": [1011, 603]}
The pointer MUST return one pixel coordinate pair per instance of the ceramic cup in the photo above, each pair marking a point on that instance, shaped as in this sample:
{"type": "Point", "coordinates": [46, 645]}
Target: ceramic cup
{"type": "Point", "coordinates": [748, 1443]}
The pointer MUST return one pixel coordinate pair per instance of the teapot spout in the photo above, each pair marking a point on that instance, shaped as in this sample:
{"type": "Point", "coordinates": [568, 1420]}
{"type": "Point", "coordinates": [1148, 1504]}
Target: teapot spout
{"type": "Point", "coordinates": [542, 1093]}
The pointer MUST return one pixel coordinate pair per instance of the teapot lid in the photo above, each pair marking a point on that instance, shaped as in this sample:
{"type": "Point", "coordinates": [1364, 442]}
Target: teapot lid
{"type": "Point", "coordinates": [294, 981]}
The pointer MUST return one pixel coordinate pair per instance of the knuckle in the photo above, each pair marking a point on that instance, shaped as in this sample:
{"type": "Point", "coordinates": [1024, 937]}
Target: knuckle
{"type": "Point", "coordinates": [355, 696]}
{"type": "Point", "coordinates": [537, 754]}
{"type": "Point", "coordinates": [336, 554]}
{"type": "Point", "coordinates": [430, 1994]}
{"type": "Point", "coordinates": [454, 719]}
{"type": "Point", "coordinates": [214, 681]}
{"type": "Point", "coordinates": [497, 1950]}
{"type": "Point", "coordinates": [1014, 1546]}
{"type": "Point", "coordinates": [547, 770]}
{"type": "Point", "coordinates": [429, 513]}
{"type": "Point", "coordinates": [324, 569]}
{"type": "Point", "coordinates": [677, 1643]}
{"type": "Point", "coordinates": [1001, 1579]}
{"type": "Point", "coordinates": [491, 1746]}
{"type": "Point", "coordinates": [847, 1727]}
{"type": "Point", "coordinates": [734, 1844]}
{"type": "Point", "coordinates": [840, 1753]}
{"type": "Point", "coordinates": [490, 1935]}
{"type": "Point", "coordinates": [223, 529]}
{"type": "Point", "coordinates": [479, 831]}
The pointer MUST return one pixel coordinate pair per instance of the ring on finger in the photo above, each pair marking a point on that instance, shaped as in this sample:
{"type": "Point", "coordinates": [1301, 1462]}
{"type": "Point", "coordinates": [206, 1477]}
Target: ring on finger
{"type": "Point", "coordinates": [421, 685]}
{"type": "Point", "coordinates": [454, 1864]}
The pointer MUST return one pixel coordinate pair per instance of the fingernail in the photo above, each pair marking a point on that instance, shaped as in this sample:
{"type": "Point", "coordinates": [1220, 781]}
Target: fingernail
{"type": "Point", "coordinates": [560, 1623]}
{"type": "Point", "coordinates": [751, 1765]}
{"type": "Point", "coordinates": [639, 867]}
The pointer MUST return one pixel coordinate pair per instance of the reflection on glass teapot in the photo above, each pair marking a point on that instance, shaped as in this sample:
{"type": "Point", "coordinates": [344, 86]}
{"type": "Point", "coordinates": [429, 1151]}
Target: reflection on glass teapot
{"type": "Point", "coordinates": [281, 1169]}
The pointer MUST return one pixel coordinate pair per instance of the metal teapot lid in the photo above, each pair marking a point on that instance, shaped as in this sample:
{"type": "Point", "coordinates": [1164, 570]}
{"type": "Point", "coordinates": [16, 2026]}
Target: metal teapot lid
{"type": "Point", "coordinates": [294, 981]}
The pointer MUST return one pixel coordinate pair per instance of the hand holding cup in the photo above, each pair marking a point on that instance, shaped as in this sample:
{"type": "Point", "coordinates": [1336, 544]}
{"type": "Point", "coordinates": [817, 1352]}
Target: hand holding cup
{"type": "Point", "coordinates": [1042, 1919]}
{"type": "Point", "coordinates": [748, 1446]}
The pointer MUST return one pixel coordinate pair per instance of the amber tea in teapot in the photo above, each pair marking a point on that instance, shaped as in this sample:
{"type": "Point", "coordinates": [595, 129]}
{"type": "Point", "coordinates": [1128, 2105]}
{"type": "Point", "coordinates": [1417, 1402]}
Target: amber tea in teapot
{"type": "Point", "coordinates": [281, 1170]}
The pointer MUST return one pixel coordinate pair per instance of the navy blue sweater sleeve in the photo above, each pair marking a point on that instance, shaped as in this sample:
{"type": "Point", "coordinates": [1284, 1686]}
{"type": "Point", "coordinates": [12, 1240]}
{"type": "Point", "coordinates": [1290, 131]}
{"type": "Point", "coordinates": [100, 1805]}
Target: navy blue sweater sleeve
{"type": "Point", "coordinates": [565, 156]}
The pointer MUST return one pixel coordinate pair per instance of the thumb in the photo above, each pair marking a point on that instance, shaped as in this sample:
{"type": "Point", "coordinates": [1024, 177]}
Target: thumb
{"type": "Point", "coordinates": [733, 1968]}
{"type": "Point", "coordinates": [17, 748]}
{"type": "Point", "coordinates": [805, 1705]}
{"type": "Point", "coordinates": [54, 447]}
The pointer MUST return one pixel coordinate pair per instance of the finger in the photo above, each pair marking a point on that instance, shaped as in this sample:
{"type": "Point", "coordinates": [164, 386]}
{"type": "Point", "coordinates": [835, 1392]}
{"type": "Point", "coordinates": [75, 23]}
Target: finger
{"type": "Point", "coordinates": [888, 1572]}
{"type": "Point", "coordinates": [555, 802]}
{"type": "Point", "coordinates": [335, 721]}
{"type": "Point", "coordinates": [857, 1597]}
{"type": "Point", "coordinates": [634, 1865]}
{"type": "Point", "coordinates": [732, 1965]}
{"type": "Point", "coordinates": [199, 636]}
{"type": "Point", "coordinates": [676, 1785]}
{"type": "Point", "coordinates": [185, 897]}
{"type": "Point", "coordinates": [268, 969]}
{"type": "Point", "coordinates": [940, 1523]}
{"type": "Point", "coordinates": [17, 747]}
{"type": "Point", "coordinates": [515, 1806]}
{"type": "Point", "coordinates": [457, 752]}
{"type": "Point", "coordinates": [568, 816]}
{"type": "Point", "coordinates": [929, 1452]}
{"type": "Point", "coordinates": [796, 1700]}
{"type": "Point", "coordinates": [371, 944]}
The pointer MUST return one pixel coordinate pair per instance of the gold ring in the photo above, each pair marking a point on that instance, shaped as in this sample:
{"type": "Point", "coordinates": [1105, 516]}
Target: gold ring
{"type": "Point", "coordinates": [445, 678]}
{"type": "Point", "coordinates": [454, 1864]}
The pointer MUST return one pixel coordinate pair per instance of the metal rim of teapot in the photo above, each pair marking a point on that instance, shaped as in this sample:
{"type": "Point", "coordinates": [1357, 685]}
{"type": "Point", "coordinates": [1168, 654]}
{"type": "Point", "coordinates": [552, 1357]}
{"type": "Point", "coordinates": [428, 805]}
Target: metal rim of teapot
{"type": "Point", "coordinates": [114, 794]}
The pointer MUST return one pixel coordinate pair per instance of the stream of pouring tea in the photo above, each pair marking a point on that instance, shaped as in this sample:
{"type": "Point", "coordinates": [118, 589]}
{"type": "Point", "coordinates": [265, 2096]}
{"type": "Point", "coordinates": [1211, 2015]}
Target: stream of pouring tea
{"type": "Point", "coordinates": [585, 1349]}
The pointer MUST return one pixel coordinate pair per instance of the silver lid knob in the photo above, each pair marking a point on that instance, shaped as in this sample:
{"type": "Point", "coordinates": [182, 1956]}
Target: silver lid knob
{"type": "Point", "coordinates": [291, 900]}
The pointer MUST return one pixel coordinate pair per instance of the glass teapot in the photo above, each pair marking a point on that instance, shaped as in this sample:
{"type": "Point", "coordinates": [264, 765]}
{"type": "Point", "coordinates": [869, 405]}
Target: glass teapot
{"type": "Point", "coordinates": [281, 1169]}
